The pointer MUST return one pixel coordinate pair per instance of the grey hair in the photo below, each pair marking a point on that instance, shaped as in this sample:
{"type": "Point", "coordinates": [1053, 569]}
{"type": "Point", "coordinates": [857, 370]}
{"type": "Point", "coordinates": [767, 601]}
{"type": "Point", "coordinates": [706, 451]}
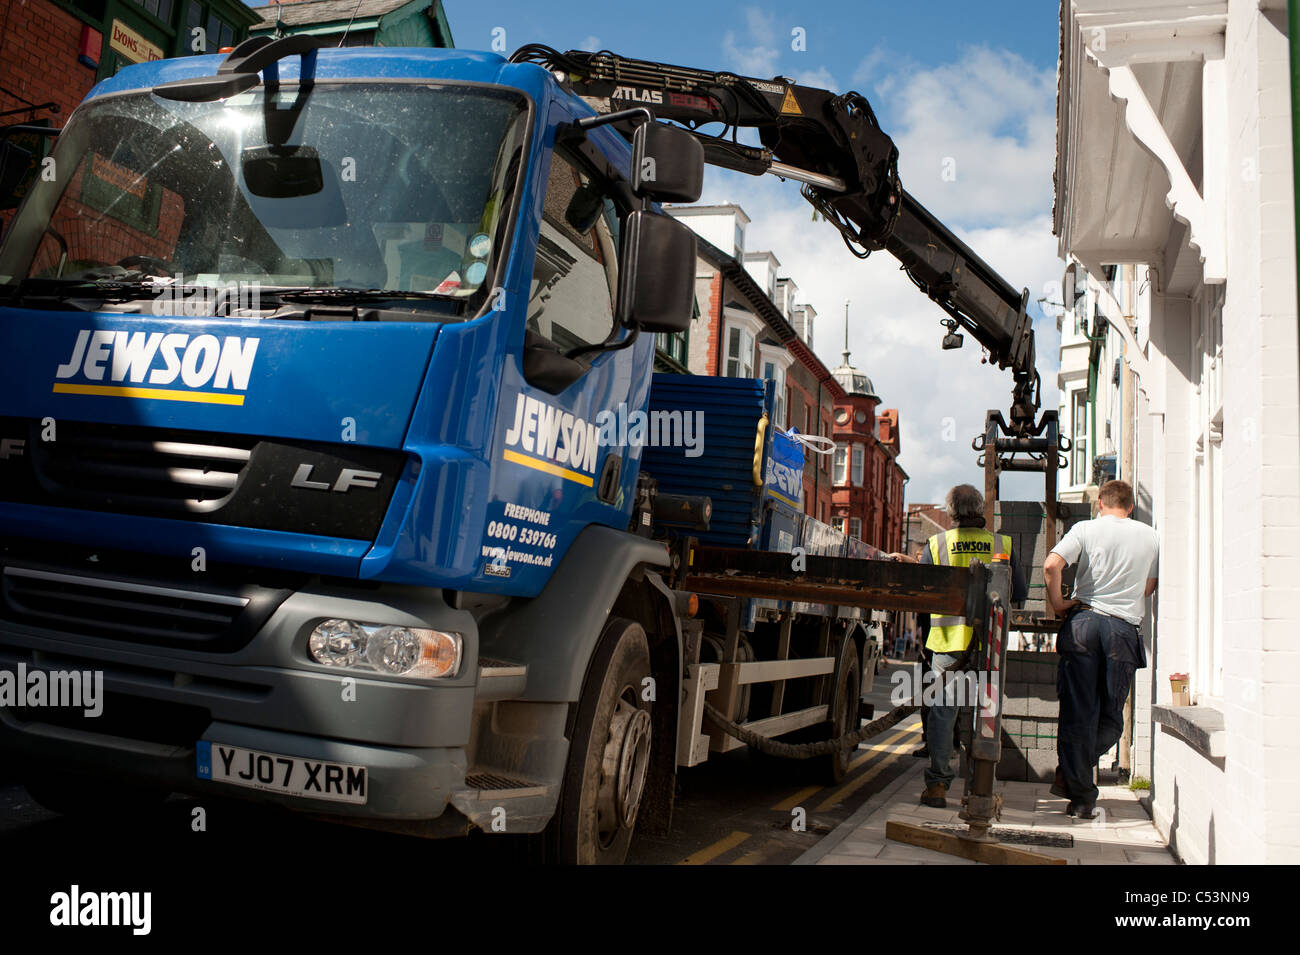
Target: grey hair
{"type": "Point", "coordinates": [965, 503]}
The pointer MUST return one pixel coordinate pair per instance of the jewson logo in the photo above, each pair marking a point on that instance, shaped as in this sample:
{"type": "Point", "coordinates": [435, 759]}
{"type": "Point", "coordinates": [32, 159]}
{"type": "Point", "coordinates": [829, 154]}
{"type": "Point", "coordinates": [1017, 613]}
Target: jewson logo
{"type": "Point", "coordinates": [548, 438]}
{"type": "Point", "coordinates": [105, 356]}
{"type": "Point", "coordinates": [75, 689]}
{"type": "Point", "coordinates": [75, 907]}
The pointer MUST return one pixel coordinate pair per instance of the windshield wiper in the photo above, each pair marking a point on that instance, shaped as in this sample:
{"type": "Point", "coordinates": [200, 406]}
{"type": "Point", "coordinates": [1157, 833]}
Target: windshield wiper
{"type": "Point", "coordinates": [38, 290]}
{"type": "Point", "coordinates": [344, 294]}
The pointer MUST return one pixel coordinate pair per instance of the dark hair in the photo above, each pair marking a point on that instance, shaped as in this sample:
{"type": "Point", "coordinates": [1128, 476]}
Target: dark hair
{"type": "Point", "coordinates": [1116, 494]}
{"type": "Point", "coordinates": [965, 503]}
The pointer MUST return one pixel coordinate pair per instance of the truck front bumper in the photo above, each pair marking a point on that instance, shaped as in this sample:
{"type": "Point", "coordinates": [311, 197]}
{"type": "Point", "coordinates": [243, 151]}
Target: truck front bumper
{"type": "Point", "coordinates": [269, 696]}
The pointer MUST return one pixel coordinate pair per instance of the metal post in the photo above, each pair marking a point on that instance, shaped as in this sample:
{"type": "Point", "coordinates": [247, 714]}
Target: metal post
{"type": "Point", "coordinates": [980, 804]}
{"type": "Point", "coordinates": [990, 468]}
{"type": "Point", "coordinates": [1049, 502]}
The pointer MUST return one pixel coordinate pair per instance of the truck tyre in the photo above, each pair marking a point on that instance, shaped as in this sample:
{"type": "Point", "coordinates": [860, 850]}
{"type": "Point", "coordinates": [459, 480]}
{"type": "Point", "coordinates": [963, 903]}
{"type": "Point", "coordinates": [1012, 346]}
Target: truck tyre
{"type": "Point", "coordinates": [609, 753]}
{"type": "Point", "coordinates": [844, 710]}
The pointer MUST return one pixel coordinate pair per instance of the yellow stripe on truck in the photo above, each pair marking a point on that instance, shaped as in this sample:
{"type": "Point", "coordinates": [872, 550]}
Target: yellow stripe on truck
{"type": "Point", "coordinates": [546, 466]}
{"type": "Point", "coordinates": [158, 394]}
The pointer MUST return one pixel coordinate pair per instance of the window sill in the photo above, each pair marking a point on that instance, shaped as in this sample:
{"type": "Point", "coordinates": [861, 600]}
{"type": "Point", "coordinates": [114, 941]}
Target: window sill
{"type": "Point", "coordinates": [1200, 726]}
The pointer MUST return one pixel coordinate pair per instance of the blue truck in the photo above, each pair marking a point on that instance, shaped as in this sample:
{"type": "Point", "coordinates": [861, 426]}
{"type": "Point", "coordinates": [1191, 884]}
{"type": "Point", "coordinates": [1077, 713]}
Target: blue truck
{"type": "Point", "coordinates": [319, 441]}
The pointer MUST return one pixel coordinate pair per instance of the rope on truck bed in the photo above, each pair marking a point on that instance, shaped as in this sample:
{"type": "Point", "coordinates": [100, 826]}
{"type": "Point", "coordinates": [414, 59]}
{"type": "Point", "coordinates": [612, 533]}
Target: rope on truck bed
{"type": "Point", "coordinates": [765, 744]}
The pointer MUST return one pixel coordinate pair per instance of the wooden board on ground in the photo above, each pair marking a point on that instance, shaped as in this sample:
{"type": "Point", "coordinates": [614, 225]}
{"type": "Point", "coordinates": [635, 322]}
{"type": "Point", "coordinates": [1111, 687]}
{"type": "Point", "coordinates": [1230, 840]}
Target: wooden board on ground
{"type": "Point", "coordinates": [993, 853]}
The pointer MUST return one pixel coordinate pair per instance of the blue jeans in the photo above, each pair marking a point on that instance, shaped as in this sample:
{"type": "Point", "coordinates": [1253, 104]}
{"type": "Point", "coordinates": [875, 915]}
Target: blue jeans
{"type": "Point", "coordinates": [939, 722]}
{"type": "Point", "coordinates": [1099, 654]}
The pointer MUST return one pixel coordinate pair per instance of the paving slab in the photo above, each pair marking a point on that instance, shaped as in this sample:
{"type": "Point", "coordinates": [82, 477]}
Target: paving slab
{"type": "Point", "coordinates": [1126, 835]}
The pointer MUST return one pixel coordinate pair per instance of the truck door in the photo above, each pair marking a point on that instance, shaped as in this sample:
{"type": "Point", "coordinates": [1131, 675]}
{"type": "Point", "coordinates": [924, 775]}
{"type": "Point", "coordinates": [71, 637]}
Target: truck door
{"type": "Point", "coordinates": [567, 456]}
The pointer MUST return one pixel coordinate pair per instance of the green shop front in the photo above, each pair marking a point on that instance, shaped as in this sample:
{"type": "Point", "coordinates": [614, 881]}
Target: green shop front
{"type": "Point", "coordinates": [138, 31]}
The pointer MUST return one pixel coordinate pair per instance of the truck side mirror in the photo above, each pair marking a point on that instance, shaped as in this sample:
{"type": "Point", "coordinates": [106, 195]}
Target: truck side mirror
{"type": "Point", "coordinates": [667, 164]}
{"type": "Point", "coordinates": [657, 274]}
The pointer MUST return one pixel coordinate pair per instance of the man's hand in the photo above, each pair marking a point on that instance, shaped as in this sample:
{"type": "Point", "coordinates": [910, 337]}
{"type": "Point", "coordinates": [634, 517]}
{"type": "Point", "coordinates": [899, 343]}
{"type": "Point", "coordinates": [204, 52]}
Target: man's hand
{"type": "Point", "coordinates": [903, 557]}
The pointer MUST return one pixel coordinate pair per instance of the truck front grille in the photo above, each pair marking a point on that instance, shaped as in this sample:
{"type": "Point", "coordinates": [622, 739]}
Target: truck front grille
{"type": "Point", "coordinates": [277, 484]}
{"type": "Point", "coordinates": [194, 473]}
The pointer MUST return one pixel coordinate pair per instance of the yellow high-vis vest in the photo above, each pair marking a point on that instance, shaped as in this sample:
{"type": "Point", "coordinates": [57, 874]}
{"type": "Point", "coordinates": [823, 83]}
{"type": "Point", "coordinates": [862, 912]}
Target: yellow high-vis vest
{"type": "Point", "coordinates": [956, 548]}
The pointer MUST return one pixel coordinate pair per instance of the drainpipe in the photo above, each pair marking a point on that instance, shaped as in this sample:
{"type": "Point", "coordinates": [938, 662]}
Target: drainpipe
{"type": "Point", "coordinates": [1095, 340]}
{"type": "Point", "coordinates": [1293, 35]}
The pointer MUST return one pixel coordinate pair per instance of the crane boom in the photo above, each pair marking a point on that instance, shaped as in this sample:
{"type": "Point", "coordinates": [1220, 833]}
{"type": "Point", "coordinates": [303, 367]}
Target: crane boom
{"type": "Point", "coordinates": [848, 165]}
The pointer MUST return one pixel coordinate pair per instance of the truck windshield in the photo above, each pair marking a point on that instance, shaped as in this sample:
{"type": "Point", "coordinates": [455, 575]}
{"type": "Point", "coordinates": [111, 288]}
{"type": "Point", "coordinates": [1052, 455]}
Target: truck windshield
{"type": "Point", "coordinates": [398, 187]}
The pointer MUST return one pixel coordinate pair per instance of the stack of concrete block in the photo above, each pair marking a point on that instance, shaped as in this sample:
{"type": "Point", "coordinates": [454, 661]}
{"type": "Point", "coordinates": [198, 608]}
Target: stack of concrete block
{"type": "Point", "coordinates": [1023, 521]}
{"type": "Point", "coordinates": [1029, 717]}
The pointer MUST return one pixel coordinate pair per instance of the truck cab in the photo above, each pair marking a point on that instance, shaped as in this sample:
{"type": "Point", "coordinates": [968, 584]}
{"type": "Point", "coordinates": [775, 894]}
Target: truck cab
{"type": "Point", "coordinates": [303, 430]}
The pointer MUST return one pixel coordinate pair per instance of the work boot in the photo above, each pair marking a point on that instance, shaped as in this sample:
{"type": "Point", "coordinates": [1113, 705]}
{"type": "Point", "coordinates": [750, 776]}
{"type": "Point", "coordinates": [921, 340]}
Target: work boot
{"type": "Point", "coordinates": [934, 796]}
{"type": "Point", "coordinates": [1082, 810]}
{"type": "Point", "coordinates": [1058, 785]}
{"type": "Point", "coordinates": [923, 752]}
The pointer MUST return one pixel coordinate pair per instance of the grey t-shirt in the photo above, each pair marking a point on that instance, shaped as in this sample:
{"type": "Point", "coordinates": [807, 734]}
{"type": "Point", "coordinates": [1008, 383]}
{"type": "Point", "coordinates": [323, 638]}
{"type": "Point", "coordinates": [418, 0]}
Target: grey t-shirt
{"type": "Point", "coordinates": [1116, 555]}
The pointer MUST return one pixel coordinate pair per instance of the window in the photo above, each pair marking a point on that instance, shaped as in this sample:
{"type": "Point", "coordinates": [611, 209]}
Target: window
{"type": "Point", "coordinates": [855, 527]}
{"type": "Point", "coordinates": [776, 373]}
{"type": "Point", "coordinates": [216, 32]}
{"type": "Point", "coordinates": [162, 9]}
{"type": "Point", "coordinates": [776, 361]}
{"type": "Point", "coordinates": [575, 275]}
{"type": "Point", "coordinates": [857, 464]}
{"type": "Point", "coordinates": [740, 353]}
{"type": "Point", "coordinates": [837, 523]}
{"type": "Point", "coordinates": [825, 458]}
{"type": "Point", "coordinates": [841, 465]}
{"type": "Point", "coordinates": [676, 345]}
{"type": "Point", "coordinates": [1079, 450]}
{"type": "Point", "coordinates": [140, 175]}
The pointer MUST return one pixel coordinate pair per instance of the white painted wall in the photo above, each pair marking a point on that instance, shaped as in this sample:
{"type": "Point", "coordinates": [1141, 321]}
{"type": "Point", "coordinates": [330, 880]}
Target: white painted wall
{"type": "Point", "coordinates": [1241, 809]}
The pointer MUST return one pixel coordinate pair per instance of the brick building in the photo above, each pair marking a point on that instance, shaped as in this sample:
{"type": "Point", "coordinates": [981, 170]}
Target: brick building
{"type": "Point", "coordinates": [868, 481]}
{"type": "Point", "coordinates": [53, 51]}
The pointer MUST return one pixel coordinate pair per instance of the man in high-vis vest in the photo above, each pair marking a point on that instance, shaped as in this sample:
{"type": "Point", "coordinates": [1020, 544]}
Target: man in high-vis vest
{"type": "Point", "coordinates": [950, 637]}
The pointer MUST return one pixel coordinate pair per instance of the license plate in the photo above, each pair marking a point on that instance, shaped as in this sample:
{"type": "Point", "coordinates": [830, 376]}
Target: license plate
{"type": "Point", "coordinates": [288, 775]}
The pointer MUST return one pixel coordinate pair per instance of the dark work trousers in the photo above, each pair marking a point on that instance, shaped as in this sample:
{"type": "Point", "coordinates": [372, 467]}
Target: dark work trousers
{"type": "Point", "coordinates": [926, 655]}
{"type": "Point", "coordinates": [1098, 655]}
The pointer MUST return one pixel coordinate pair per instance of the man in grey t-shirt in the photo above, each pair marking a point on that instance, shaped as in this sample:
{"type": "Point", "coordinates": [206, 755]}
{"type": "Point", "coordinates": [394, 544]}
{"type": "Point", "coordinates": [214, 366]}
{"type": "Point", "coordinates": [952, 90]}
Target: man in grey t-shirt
{"type": "Point", "coordinates": [1098, 643]}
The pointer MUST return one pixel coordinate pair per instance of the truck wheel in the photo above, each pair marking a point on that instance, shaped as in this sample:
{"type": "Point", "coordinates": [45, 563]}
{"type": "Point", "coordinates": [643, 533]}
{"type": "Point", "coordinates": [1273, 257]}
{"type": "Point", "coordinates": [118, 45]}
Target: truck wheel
{"type": "Point", "coordinates": [845, 709]}
{"type": "Point", "coordinates": [609, 752]}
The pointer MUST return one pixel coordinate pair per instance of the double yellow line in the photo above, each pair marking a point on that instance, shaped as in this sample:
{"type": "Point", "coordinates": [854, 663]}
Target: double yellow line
{"type": "Point", "coordinates": [893, 747]}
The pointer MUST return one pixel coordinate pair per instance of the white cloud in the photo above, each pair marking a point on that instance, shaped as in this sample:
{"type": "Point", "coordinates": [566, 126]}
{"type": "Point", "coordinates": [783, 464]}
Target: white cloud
{"type": "Point", "coordinates": [996, 115]}
{"type": "Point", "coordinates": [989, 119]}
{"type": "Point", "coordinates": [757, 53]}
{"type": "Point", "coordinates": [591, 43]}
{"type": "Point", "coordinates": [819, 78]}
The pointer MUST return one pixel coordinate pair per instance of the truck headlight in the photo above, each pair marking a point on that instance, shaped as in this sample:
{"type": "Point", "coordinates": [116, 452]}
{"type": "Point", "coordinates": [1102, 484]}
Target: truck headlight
{"type": "Point", "coordinates": [391, 650]}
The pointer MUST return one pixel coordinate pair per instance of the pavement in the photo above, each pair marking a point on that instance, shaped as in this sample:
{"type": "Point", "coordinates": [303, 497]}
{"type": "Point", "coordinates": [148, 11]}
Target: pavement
{"type": "Point", "coordinates": [1121, 834]}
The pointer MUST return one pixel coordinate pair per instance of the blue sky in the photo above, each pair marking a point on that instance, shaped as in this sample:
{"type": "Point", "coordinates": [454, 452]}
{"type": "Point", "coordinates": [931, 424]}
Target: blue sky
{"type": "Point", "coordinates": [967, 91]}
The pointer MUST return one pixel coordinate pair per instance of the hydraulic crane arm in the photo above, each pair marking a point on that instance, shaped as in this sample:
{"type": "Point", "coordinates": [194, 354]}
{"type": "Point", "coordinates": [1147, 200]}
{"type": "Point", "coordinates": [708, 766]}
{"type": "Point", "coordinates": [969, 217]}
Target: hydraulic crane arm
{"type": "Point", "coordinates": [833, 144]}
